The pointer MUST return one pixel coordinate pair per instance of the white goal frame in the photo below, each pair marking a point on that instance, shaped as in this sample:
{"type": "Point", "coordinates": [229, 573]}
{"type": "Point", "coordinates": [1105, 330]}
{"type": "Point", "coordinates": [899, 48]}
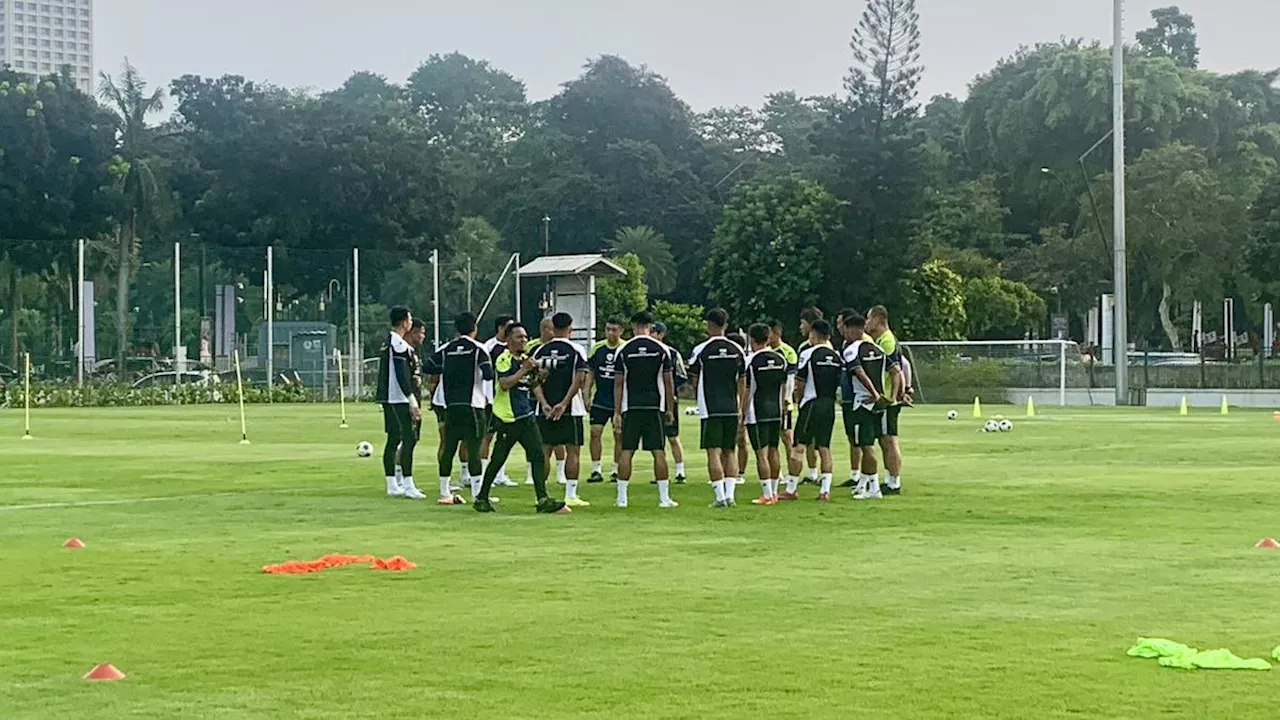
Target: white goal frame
{"type": "Point", "coordinates": [1060, 344]}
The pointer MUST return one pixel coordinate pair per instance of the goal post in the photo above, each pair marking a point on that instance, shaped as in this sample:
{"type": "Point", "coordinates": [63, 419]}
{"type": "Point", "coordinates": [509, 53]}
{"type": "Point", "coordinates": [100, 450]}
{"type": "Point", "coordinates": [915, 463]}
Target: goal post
{"type": "Point", "coordinates": [999, 371]}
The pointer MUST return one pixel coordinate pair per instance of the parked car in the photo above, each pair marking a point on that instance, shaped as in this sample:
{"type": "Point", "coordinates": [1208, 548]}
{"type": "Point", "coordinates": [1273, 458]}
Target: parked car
{"type": "Point", "coordinates": [169, 379]}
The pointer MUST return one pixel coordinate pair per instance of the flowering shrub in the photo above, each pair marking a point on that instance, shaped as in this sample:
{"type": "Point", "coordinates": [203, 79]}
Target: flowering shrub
{"type": "Point", "coordinates": [56, 395]}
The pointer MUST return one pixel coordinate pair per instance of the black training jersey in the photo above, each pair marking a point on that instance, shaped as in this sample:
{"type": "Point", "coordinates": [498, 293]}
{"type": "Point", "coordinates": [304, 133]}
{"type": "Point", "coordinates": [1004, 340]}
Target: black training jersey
{"type": "Point", "coordinates": [601, 360]}
{"type": "Point", "coordinates": [820, 369]}
{"type": "Point", "coordinates": [867, 355]}
{"type": "Point", "coordinates": [718, 363]}
{"type": "Point", "coordinates": [395, 372]}
{"type": "Point", "coordinates": [465, 370]}
{"type": "Point", "coordinates": [643, 362]}
{"type": "Point", "coordinates": [567, 360]}
{"type": "Point", "coordinates": [767, 374]}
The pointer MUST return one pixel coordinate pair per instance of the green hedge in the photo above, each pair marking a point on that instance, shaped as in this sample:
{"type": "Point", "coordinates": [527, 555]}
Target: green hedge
{"type": "Point", "coordinates": [54, 395]}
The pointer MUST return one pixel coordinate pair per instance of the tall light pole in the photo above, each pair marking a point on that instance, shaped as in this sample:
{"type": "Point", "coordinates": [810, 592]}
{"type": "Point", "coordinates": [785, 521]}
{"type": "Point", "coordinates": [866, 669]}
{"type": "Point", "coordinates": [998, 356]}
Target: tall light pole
{"type": "Point", "coordinates": [546, 250]}
{"type": "Point", "coordinates": [1121, 324]}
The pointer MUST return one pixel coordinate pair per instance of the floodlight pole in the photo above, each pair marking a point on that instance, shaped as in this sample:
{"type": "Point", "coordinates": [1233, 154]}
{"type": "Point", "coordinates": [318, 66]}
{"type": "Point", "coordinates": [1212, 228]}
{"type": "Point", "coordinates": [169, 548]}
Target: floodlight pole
{"type": "Point", "coordinates": [80, 352]}
{"type": "Point", "coordinates": [516, 257]}
{"type": "Point", "coordinates": [179, 364]}
{"type": "Point", "coordinates": [435, 293]}
{"type": "Point", "coordinates": [1120, 276]}
{"type": "Point", "coordinates": [270, 291]}
{"type": "Point", "coordinates": [357, 348]}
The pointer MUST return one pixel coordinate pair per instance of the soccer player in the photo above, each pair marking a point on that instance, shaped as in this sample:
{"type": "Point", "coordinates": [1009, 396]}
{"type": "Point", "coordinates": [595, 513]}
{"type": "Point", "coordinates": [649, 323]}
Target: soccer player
{"type": "Point", "coordinates": [461, 369]}
{"type": "Point", "coordinates": [766, 391]}
{"type": "Point", "coordinates": [865, 366]}
{"type": "Point", "coordinates": [680, 373]}
{"type": "Point", "coordinates": [846, 331]}
{"type": "Point", "coordinates": [740, 340]}
{"type": "Point", "coordinates": [513, 412]}
{"type": "Point", "coordinates": [560, 406]}
{"type": "Point", "coordinates": [415, 337]}
{"type": "Point", "coordinates": [717, 369]}
{"type": "Point", "coordinates": [808, 317]}
{"type": "Point", "coordinates": [546, 331]}
{"type": "Point", "coordinates": [495, 346]}
{"type": "Point", "coordinates": [643, 389]}
{"type": "Point", "coordinates": [788, 435]}
{"type": "Point", "coordinates": [602, 359]}
{"type": "Point", "coordinates": [400, 408]}
{"type": "Point", "coordinates": [818, 377]}
{"type": "Point", "coordinates": [899, 380]}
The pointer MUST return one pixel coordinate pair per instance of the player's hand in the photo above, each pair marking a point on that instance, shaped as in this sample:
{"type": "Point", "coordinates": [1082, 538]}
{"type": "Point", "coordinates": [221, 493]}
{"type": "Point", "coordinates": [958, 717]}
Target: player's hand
{"type": "Point", "coordinates": [558, 411]}
{"type": "Point", "coordinates": [617, 422]}
{"type": "Point", "coordinates": [670, 416]}
{"type": "Point", "coordinates": [415, 412]}
{"type": "Point", "coordinates": [529, 364]}
{"type": "Point", "coordinates": [548, 412]}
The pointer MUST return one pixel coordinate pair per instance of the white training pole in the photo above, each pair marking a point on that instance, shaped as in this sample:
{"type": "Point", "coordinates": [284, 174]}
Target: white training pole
{"type": "Point", "coordinates": [244, 430]}
{"type": "Point", "coordinates": [270, 292]}
{"type": "Point", "coordinates": [435, 293]}
{"type": "Point", "coordinates": [179, 363]}
{"type": "Point", "coordinates": [342, 390]}
{"type": "Point", "coordinates": [1121, 323]}
{"type": "Point", "coordinates": [357, 349]}
{"type": "Point", "coordinates": [26, 393]}
{"type": "Point", "coordinates": [517, 271]}
{"type": "Point", "coordinates": [1062, 373]}
{"type": "Point", "coordinates": [80, 319]}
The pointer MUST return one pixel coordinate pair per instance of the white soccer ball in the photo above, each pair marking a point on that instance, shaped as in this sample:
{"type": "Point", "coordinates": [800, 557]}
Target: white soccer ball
{"type": "Point", "coordinates": [364, 449]}
{"type": "Point", "coordinates": [952, 414]}
{"type": "Point", "coordinates": [1006, 425]}
{"type": "Point", "coordinates": [991, 426]}
{"type": "Point", "coordinates": [691, 411]}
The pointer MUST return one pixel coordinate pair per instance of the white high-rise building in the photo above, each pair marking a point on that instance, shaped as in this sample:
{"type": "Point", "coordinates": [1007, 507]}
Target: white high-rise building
{"type": "Point", "coordinates": [41, 37]}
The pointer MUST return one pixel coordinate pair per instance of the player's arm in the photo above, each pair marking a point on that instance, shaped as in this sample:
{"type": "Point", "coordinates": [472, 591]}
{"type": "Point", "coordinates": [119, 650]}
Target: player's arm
{"type": "Point", "coordinates": [669, 380]}
{"type": "Point", "coordinates": [405, 380]}
{"type": "Point", "coordinates": [742, 399]}
{"type": "Point", "coordinates": [619, 382]}
{"type": "Point", "coordinates": [518, 373]}
{"type": "Point", "coordinates": [861, 374]}
{"type": "Point", "coordinates": [579, 378]}
{"type": "Point", "coordinates": [797, 380]}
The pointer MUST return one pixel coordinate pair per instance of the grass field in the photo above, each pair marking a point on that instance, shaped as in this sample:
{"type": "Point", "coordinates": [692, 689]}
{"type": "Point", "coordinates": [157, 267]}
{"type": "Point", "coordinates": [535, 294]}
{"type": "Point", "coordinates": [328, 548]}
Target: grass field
{"type": "Point", "coordinates": [1007, 582]}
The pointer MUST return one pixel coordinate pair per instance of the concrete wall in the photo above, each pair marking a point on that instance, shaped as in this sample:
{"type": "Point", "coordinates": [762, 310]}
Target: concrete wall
{"type": "Point", "coordinates": [1156, 397]}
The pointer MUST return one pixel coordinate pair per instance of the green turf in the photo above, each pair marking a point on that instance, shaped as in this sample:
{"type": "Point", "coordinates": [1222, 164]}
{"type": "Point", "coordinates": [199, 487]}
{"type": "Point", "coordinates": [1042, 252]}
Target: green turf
{"type": "Point", "coordinates": [1007, 582]}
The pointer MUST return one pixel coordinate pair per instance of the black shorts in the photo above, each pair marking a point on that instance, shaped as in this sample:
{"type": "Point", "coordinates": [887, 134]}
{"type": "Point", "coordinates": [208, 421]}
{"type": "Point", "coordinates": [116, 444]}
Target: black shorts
{"type": "Point", "coordinates": [672, 429]}
{"type": "Point", "coordinates": [889, 421]}
{"type": "Point", "coordinates": [565, 431]}
{"type": "Point", "coordinates": [601, 416]}
{"type": "Point", "coordinates": [466, 423]}
{"type": "Point", "coordinates": [490, 420]}
{"type": "Point", "coordinates": [642, 428]}
{"type": "Point", "coordinates": [816, 422]}
{"type": "Point", "coordinates": [396, 419]}
{"type": "Point", "coordinates": [862, 426]}
{"type": "Point", "coordinates": [719, 433]}
{"type": "Point", "coordinates": [441, 414]}
{"type": "Point", "coordinates": [765, 434]}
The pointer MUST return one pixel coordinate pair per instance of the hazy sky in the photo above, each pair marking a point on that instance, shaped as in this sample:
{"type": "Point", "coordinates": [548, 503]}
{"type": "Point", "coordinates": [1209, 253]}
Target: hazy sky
{"type": "Point", "coordinates": [713, 52]}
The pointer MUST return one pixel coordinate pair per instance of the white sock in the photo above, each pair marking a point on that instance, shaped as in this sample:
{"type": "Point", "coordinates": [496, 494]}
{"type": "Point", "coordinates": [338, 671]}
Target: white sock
{"type": "Point", "coordinates": [444, 488]}
{"type": "Point", "coordinates": [855, 475]}
{"type": "Point", "coordinates": [571, 488]}
{"type": "Point", "coordinates": [766, 488]}
{"type": "Point", "coordinates": [826, 482]}
{"type": "Point", "coordinates": [393, 484]}
{"type": "Point", "coordinates": [730, 489]}
{"type": "Point", "coordinates": [407, 483]}
{"type": "Point", "coordinates": [792, 483]}
{"type": "Point", "coordinates": [870, 483]}
{"type": "Point", "coordinates": [528, 472]}
{"type": "Point", "coordinates": [813, 473]}
{"type": "Point", "coordinates": [613, 468]}
{"type": "Point", "coordinates": [773, 486]}
{"type": "Point", "coordinates": [718, 485]}
{"type": "Point", "coordinates": [893, 482]}
{"type": "Point", "coordinates": [476, 484]}
{"type": "Point", "coordinates": [664, 491]}
{"type": "Point", "coordinates": [466, 473]}
{"type": "Point", "coordinates": [484, 465]}
{"type": "Point", "coordinates": [595, 466]}
{"type": "Point", "coordinates": [679, 468]}
{"type": "Point", "coordinates": [622, 491]}
{"type": "Point", "coordinates": [560, 476]}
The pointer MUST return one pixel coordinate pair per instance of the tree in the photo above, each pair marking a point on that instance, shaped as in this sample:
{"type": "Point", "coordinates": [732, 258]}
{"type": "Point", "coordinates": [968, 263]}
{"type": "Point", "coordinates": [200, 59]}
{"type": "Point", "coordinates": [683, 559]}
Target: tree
{"type": "Point", "coordinates": [933, 306]}
{"type": "Point", "coordinates": [967, 216]}
{"type": "Point", "coordinates": [1173, 36]}
{"type": "Point", "coordinates": [654, 253]}
{"type": "Point", "coordinates": [129, 101]}
{"type": "Point", "coordinates": [785, 226]}
{"type": "Point", "coordinates": [999, 309]}
{"type": "Point", "coordinates": [621, 297]}
{"type": "Point", "coordinates": [1264, 238]}
{"type": "Point", "coordinates": [685, 326]}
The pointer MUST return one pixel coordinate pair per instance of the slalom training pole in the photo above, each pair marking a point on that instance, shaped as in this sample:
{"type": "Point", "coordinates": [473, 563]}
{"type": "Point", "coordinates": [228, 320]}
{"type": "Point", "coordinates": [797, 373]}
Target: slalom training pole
{"type": "Point", "coordinates": [26, 393]}
{"type": "Point", "coordinates": [342, 391]}
{"type": "Point", "coordinates": [244, 432]}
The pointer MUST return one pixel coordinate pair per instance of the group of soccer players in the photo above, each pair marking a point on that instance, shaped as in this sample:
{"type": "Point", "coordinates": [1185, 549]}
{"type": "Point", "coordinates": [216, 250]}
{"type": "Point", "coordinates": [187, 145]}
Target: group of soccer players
{"type": "Point", "coordinates": [489, 397]}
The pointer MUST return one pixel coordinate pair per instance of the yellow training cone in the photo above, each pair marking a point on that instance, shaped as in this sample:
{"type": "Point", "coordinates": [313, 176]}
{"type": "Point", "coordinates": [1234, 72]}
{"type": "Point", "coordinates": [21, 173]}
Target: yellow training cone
{"type": "Point", "coordinates": [1031, 407]}
{"type": "Point", "coordinates": [1224, 410]}
{"type": "Point", "coordinates": [1182, 409]}
{"type": "Point", "coordinates": [977, 407]}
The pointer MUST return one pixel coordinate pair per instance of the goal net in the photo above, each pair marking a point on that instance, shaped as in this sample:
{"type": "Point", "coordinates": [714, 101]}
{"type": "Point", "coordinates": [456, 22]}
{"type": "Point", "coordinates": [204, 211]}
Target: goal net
{"type": "Point", "coordinates": [999, 371]}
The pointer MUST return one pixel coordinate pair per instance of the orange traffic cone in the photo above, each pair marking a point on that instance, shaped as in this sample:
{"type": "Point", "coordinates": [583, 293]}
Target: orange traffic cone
{"type": "Point", "coordinates": [105, 672]}
{"type": "Point", "coordinates": [1268, 543]}
{"type": "Point", "coordinates": [73, 543]}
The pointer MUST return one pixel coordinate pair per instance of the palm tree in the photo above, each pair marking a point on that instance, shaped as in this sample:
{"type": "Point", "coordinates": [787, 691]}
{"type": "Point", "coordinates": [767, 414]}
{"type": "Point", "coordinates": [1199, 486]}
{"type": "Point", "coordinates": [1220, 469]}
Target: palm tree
{"type": "Point", "coordinates": [130, 103]}
{"type": "Point", "coordinates": [655, 255]}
